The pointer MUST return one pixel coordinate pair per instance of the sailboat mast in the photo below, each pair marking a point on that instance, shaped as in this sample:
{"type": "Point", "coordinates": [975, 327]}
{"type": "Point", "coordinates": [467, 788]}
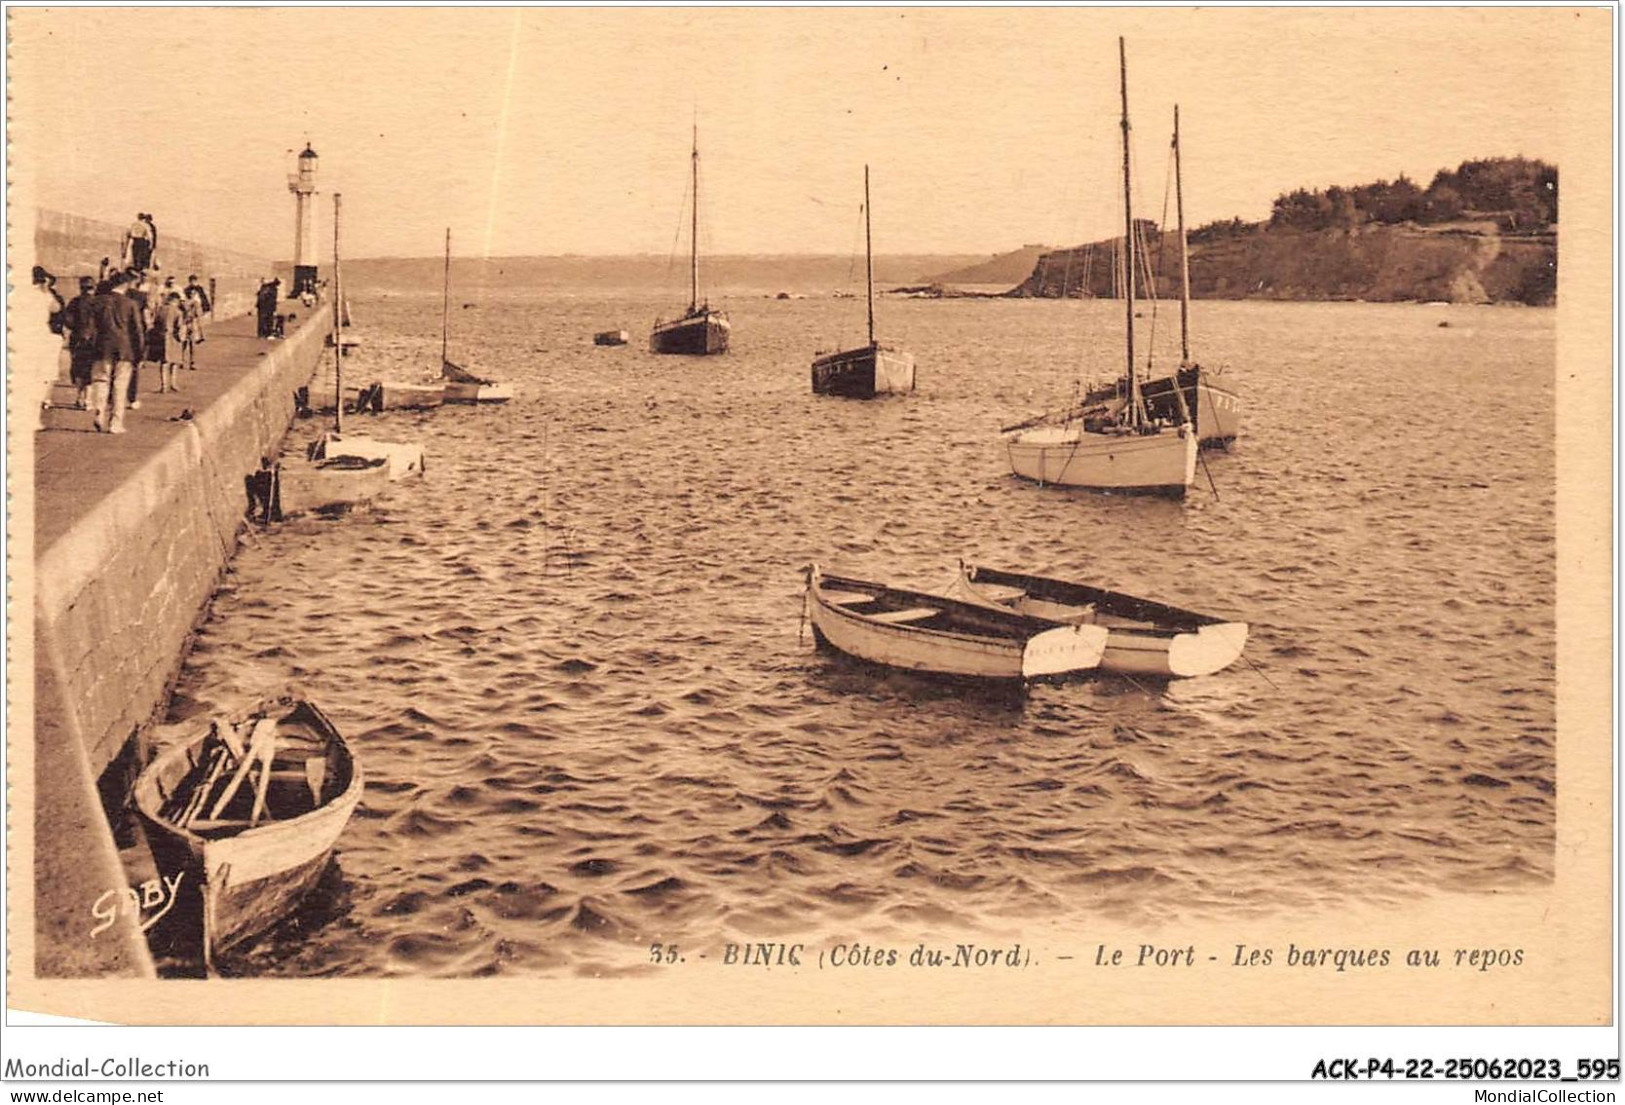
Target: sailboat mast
{"type": "Point", "coordinates": [1128, 242]}
{"type": "Point", "coordinates": [338, 321]}
{"type": "Point", "coordinates": [1184, 256]}
{"type": "Point", "coordinates": [694, 229]}
{"type": "Point", "coordinates": [869, 255]}
{"type": "Point", "coordinates": [445, 302]}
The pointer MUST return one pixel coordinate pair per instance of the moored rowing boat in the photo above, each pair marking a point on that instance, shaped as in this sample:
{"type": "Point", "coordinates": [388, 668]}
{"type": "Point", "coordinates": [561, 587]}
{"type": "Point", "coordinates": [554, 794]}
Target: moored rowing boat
{"type": "Point", "coordinates": [1145, 637]}
{"type": "Point", "coordinates": [927, 633]}
{"type": "Point", "coordinates": [242, 815]}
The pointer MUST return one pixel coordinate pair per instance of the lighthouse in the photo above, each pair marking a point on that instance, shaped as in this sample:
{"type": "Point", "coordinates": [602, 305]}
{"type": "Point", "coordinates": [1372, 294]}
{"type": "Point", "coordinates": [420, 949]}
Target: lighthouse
{"type": "Point", "coordinates": [303, 186]}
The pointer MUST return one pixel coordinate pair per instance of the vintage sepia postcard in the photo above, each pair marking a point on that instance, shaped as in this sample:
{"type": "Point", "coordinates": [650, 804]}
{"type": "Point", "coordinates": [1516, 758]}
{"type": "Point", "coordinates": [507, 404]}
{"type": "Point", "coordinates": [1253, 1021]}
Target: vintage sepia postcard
{"type": "Point", "coordinates": [1072, 516]}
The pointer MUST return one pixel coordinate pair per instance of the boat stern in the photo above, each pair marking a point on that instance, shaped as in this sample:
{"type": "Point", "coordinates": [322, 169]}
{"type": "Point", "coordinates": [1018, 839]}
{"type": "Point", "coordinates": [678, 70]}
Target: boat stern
{"type": "Point", "coordinates": [1062, 650]}
{"type": "Point", "coordinates": [1209, 649]}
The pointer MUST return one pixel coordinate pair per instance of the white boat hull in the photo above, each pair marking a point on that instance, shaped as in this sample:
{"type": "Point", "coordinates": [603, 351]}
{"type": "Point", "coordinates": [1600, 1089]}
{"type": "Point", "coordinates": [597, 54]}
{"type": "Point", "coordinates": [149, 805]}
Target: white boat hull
{"type": "Point", "coordinates": [1054, 651]}
{"type": "Point", "coordinates": [458, 391]}
{"type": "Point", "coordinates": [1070, 456]}
{"type": "Point", "coordinates": [405, 458]}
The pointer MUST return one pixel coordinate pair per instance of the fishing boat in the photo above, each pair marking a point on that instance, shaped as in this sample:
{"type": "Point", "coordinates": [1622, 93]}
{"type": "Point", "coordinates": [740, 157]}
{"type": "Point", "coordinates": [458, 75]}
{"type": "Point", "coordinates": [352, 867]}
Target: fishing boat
{"type": "Point", "coordinates": [931, 634]}
{"type": "Point", "coordinates": [242, 814]}
{"type": "Point", "coordinates": [872, 369]}
{"type": "Point", "coordinates": [1215, 410]}
{"type": "Point", "coordinates": [1146, 638]}
{"type": "Point", "coordinates": [1122, 448]}
{"type": "Point", "coordinates": [700, 331]}
{"type": "Point", "coordinates": [611, 337]}
{"type": "Point", "coordinates": [459, 385]}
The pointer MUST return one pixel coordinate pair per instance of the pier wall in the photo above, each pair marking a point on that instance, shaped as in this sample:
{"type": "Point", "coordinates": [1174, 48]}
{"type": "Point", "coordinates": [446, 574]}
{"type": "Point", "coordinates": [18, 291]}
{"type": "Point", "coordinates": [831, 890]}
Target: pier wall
{"type": "Point", "coordinates": [71, 246]}
{"type": "Point", "coordinates": [117, 598]}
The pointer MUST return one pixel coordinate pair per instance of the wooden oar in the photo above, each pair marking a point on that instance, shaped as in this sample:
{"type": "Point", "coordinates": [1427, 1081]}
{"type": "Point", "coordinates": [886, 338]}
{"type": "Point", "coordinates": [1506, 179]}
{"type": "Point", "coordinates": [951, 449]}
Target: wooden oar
{"type": "Point", "coordinates": [206, 782]}
{"type": "Point", "coordinates": [261, 727]}
{"type": "Point", "coordinates": [266, 755]}
{"type": "Point", "coordinates": [316, 777]}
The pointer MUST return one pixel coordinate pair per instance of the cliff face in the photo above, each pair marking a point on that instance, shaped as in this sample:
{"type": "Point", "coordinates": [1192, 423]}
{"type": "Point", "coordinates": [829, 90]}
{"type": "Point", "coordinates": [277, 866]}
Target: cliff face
{"type": "Point", "coordinates": [1463, 263]}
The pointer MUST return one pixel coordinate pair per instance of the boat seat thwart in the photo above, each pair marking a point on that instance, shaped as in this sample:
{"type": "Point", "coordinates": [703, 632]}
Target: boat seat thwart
{"type": "Point", "coordinates": [847, 598]}
{"type": "Point", "coordinates": [913, 614]}
{"type": "Point", "coordinates": [1000, 593]}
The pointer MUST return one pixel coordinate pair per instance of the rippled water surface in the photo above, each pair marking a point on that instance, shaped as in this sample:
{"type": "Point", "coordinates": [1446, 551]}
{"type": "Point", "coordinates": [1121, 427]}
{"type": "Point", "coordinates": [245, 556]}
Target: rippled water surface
{"type": "Point", "coordinates": [572, 663]}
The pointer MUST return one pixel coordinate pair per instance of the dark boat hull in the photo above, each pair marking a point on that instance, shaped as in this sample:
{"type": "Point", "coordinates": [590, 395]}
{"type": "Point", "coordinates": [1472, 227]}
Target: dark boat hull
{"type": "Point", "coordinates": [863, 373]}
{"type": "Point", "coordinates": [699, 335]}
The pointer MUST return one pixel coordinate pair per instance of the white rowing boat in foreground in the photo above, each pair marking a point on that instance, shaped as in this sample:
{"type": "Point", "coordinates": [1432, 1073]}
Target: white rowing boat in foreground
{"type": "Point", "coordinates": [927, 633]}
{"type": "Point", "coordinates": [1145, 637]}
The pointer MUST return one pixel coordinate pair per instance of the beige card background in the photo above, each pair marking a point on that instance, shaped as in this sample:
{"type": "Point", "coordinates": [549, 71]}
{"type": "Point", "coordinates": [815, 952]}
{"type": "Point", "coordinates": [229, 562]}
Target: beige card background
{"type": "Point", "coordinates": [1565, 929]}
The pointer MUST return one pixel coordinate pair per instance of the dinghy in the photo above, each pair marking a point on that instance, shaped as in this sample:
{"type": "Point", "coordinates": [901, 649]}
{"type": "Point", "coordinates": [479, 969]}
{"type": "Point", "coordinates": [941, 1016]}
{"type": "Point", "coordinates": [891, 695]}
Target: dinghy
{"type": "Point", "coordinates": [927, 633]}
{"type": "Point", "coordinates": [281, 491]}
{"type": "Point", "coordinates": [1145, 637]}
{"type": "Point", "coordinates": [242, 814]}
{"type": "Point", "coordinates": [402, 458]}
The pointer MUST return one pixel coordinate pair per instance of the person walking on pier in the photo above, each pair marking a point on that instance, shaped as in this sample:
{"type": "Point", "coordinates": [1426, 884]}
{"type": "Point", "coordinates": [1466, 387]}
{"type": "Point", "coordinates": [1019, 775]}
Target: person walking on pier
{"type": "Point", "coordinates": [197, 305]}
{"type": "Point", "coordinates": [115, 335]}
{"type": "Point", "coordinates": [139, 290]}
{"type": "Point", "coordinates": [165, 338]}
{"type": "Point", "coordinates": [76, 321]}
{"type": "Point", "coordinates": [265, 305]}
{"type": "Point", "coordinates": [140, 243]}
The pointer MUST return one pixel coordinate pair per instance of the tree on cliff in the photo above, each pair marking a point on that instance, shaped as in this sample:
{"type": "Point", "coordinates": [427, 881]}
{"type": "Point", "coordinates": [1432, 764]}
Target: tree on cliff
{"type": "Point", "coordinates": [1519, 191]}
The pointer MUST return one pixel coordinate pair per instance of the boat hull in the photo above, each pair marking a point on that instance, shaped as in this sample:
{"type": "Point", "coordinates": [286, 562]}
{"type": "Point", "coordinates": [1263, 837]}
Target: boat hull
{"type": "Point", "coordinates": [998, 649]}
{"type": "Point", "coordinates": [232, 888]}
{"type": "Point", "coordinates": [459, 391]}
{"type": "Point", "coordinates": [864, 373]}
{"type": "Point", "coordinates": [1144, 638]}
{"type": "Point", "coordinates": [403, 458]}
{"type": "Point", "coordinates": [611, 337]}
{"type": "Point", "coordinates": [327, 486]}
{"type": "Point", "coordinates": [462, 386]}
{"type": "Point", "coordinates": [1162, 463]}
{"type": "Point", "coordinates": [1214, 409]}
{"type": "Point", "coordinates": [700, 335]}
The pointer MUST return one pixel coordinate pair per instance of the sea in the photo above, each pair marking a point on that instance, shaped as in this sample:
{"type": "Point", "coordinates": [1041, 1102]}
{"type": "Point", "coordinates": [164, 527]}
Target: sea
{"type": "Point", "coordinates": [574, 662]}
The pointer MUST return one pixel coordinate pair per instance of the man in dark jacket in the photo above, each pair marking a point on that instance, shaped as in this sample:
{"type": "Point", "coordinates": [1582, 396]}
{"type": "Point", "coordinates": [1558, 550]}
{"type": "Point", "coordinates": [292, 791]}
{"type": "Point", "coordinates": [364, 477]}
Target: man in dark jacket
{"type": "Point", "coordinates": [116, 336]}
{"type": "Point", "coordinates": [265, 305]}
{"type": "Point", "coordinates": [76, 323]}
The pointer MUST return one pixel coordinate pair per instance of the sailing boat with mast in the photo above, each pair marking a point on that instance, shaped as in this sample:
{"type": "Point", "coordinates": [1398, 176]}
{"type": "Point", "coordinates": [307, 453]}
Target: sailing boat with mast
{"type": "Point", "coordinates": [462, 386]}
{"type": "Point", "coordinates": [1121, 449]}
{"type": "Point", "coordinates": [700, 331]}
{"type": "Point", "coordinates": [1215, 410]}
{"type": "Point", "coordinates": [401, 458]}
{"type": "Point", "coordinates": [869, 370]}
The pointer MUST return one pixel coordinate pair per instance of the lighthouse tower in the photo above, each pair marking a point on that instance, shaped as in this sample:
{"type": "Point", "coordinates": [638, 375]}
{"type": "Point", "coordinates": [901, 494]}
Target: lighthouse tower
{"type": "Point", "coordinates": [303, 186]}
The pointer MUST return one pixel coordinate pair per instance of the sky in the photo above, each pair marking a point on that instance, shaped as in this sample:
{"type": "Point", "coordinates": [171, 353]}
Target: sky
{"type": "Point", "coordinates": [557, 131]}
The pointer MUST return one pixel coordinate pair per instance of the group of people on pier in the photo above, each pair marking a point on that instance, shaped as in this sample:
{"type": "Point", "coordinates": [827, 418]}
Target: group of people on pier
{"type": "Point", "coordinates": [124, 319]}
